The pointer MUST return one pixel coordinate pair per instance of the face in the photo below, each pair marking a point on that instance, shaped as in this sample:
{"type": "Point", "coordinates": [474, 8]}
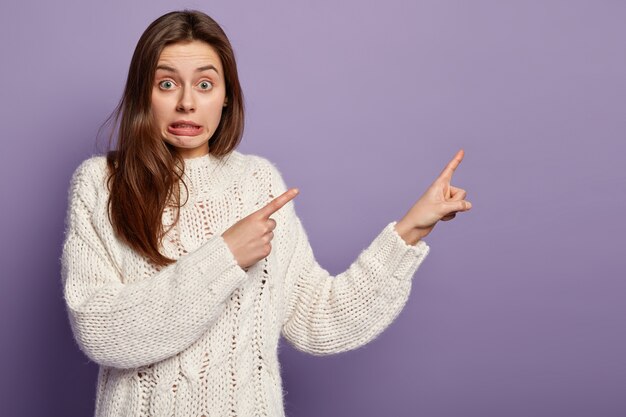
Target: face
{"type": "Point", "coordinates": [188, 96]}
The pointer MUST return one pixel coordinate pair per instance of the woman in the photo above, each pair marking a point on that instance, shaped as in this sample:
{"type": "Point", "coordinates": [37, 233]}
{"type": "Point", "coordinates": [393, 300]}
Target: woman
{"type": "Point", "coordinates": [183, 261]}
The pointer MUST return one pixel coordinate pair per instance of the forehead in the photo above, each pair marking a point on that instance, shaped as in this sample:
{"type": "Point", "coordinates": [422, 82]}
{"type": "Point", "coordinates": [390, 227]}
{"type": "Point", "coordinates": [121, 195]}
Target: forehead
{"type": "Point", "coordinates": [190, 53]}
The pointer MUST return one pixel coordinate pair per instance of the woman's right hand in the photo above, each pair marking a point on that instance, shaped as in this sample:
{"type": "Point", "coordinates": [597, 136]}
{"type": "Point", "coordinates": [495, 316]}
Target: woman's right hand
{"type": "Point", "coordinates": [249, 239]}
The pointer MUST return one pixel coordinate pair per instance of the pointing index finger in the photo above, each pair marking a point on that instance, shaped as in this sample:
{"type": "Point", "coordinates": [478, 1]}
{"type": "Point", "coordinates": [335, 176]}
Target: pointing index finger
{"type": "Point", "coordinates": [453, 164]}
{"type": "Point", "coordinates": [277, 203]}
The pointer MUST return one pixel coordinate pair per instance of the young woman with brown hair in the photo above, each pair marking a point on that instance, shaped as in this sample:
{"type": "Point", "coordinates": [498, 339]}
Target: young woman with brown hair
{"type": "Point", "coordinates": [183, 261]}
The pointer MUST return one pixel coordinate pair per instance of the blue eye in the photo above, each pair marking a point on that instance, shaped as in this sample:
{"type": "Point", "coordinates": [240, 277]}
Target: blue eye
{"type": "Point", "coordinates": [205, 85]}
{"type": "Point", "coordinates": [166, 83]}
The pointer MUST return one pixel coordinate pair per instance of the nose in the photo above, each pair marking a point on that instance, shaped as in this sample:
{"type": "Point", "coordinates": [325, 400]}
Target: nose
{"type": "Point", "coordinates": [186, 102]}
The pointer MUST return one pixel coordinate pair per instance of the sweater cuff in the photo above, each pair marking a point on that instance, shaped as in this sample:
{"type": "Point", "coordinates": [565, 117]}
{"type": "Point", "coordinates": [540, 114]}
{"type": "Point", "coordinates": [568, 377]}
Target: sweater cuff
{"type": "Point", "coordinates": [402, 259]}
{"type": "Point", "coordinates": [215, 261]}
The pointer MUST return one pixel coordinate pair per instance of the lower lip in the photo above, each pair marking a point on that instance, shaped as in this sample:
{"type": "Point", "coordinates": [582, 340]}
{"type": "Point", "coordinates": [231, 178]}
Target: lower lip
{"type": "Point", "coordinates": [185, 131]}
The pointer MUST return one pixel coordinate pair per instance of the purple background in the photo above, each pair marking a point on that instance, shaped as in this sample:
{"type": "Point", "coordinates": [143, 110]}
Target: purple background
{"type": "Point", "coordinates": [518, 310]}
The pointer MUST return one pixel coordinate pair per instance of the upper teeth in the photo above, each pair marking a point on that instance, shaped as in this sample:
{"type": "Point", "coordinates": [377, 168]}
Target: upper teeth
{"type": "Point", "coordinates": [184, 125]}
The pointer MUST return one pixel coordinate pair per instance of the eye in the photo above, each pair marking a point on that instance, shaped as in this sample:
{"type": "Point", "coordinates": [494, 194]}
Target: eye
{"type": "Point", "coordinates": [166, 84]}
{"type": "Point", "coordinates": [206, 85]}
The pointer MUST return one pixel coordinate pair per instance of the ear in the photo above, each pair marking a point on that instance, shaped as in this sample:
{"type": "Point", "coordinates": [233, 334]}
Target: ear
{"type": "Point", "coordinates": [225, 102]}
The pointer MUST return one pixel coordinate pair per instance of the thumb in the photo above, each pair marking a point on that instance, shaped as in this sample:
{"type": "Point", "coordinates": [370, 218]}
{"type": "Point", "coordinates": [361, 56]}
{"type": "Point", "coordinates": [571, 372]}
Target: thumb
{"type": "Point", "coordinates": [454, 206]}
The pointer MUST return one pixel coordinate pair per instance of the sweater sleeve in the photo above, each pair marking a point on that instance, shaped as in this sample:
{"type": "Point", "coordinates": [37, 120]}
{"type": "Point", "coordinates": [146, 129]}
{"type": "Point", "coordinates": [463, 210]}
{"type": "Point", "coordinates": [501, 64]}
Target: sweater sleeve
{"type": "Point", "coordinates": [331, 314]}
{"type": "Point", "coordinates": [136, 324]}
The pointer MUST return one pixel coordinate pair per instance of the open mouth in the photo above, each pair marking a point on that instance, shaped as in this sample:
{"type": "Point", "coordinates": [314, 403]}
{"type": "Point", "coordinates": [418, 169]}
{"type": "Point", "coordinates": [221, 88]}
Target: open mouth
{"type": "Point", "coordinates": [184, 129]}
{"type": "Point", "coordinates": [184, 126]}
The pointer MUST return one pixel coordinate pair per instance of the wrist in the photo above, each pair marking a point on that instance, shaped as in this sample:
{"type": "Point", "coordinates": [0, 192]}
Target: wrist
{"type": "Point", "coordinates": [410, 235]}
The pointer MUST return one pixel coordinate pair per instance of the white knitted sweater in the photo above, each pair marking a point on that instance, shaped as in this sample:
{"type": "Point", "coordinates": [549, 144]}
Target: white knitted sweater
{"type": "Point", "coordinates": [200, 336]}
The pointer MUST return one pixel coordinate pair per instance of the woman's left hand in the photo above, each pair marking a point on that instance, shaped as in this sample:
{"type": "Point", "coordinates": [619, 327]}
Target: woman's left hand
{"type": "Point", "coordinates": [441, 201]}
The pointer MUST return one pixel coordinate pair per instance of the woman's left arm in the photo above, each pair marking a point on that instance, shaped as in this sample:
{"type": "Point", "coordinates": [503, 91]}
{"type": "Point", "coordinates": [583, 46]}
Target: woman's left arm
{"type": "Point", "coordinates": [330, 314]}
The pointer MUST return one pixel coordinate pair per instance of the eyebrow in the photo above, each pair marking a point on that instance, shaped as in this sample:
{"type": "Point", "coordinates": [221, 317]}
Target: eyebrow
{"type": "Point", "coordinates": [200, 69]}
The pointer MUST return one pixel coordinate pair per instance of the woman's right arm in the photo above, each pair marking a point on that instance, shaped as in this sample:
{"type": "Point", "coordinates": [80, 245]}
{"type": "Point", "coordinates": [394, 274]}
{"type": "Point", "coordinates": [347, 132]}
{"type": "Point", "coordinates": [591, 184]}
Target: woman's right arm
{"type": "Point", "coordinates": [132, 325]}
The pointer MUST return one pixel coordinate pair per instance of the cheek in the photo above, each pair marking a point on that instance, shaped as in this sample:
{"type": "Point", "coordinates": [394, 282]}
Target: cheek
{"type": "Point", "coordinates": [158, 110]}
{"type": "Point", "coordinates": [214, 110]}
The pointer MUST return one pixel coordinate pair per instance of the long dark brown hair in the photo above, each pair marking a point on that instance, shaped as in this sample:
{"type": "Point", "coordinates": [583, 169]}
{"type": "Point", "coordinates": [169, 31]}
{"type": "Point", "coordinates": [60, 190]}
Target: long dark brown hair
{"type": "Point", "coordinates": [145, 172]}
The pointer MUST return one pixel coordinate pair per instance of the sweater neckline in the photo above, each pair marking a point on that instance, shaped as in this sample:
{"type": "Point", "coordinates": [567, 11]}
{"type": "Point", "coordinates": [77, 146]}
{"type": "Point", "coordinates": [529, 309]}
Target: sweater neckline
{"type": "Point", "coordinates": [208, 174]}
{"type": "Point", "coordinates": [207, 160]}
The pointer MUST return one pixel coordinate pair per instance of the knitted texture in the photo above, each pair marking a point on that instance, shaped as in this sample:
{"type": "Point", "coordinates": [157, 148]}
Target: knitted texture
{"type": "Point", "coordinates": [200, 337]}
